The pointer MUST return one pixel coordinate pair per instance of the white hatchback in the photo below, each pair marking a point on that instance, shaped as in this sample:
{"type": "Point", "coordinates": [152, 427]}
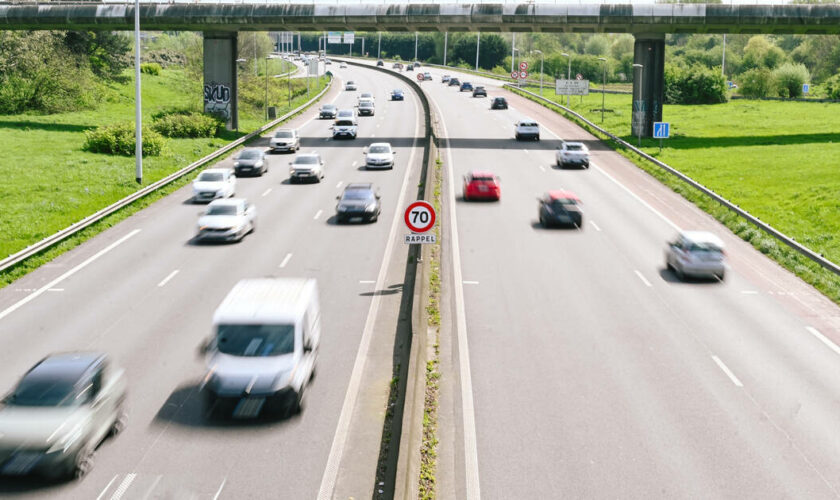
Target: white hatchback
{"type": "Point", "coordinates": [379, 155]}
{"type": "Point", "coordinates": [696, 253]}
{"type": "Point", "coordinates": [527, 129]}
{"type": "Point", "coordinates": [214, 183]}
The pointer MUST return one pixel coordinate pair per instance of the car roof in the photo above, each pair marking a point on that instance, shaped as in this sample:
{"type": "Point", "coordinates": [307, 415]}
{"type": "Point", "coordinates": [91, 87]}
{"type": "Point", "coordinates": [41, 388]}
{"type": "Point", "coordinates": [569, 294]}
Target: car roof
{"type": "Point", "coordinates": [702, 237]}
{"type": "Point", "coordinates": [359, 185]}
{"type": "Point", "coordinates": [562, 193]}
{"type": "Point", "coordinates": [226, 202]}
{"type": "Point", "coordinates": [499, 98]}
{"type": "Point", "coordinates": [380, 144]}
{"type": "Point", "coordinates": [216, 170]}
{"type": "Point", "coordinates": [68, 365]}
{"type": "Point", "coordinates": [574, 143]}
{"type": "Point", "coordinates": [304, 155]}
{"type": "Point", "coordinates": [482, 173]}
{"type": "Point", "coordinates": [525, 121]}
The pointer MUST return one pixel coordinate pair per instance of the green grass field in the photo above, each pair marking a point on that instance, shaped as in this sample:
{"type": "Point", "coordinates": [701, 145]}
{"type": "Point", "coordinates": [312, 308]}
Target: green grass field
{"type": "Point", "coordinates": [50, 183]}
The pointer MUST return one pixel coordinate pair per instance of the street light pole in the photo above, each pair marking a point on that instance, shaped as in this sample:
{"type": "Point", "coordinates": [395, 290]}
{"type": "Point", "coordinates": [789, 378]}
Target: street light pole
{"type": "Point", "coordinates": [238, 67]}
{"type": "Point", "coordinates": [603, 87]}
{"type": "Point", "coordinates": [512, 55]}
{"type": "Point", "coordinates": [723, 60]}
{"type": "Point", "coordinates": [568, 77]}
{"type": "Point", "coordinates": [542, 60]}
{"type": "Point", "coordinates": [379, 47]}
{"type": "Point", "coordinates": [477, 42]}
{"type": "Point", "coordinates": [640, 124]}
{"type": "Point", "coordinates": [138, 133]}
{"type": "Point", "coordinates": [515, 50]}
{"type": "Point", "coordinates": [445, 43]}
{"type": "Point", "coordinates": [416, 35]}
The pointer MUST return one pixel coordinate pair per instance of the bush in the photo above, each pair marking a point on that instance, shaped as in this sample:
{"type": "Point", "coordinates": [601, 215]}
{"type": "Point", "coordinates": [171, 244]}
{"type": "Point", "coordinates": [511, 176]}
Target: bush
{"type": "Point", "coordinates": [187, 124]}
{"type": "Point", "coordinates": [832, 87]}
{"type": "Point", "coordinates": [789, 79]}
{"type": "Point", "coordinates": [150, 68]}
{"type": "Point", "coordinates": [118, 139]}
{"type": "Point", "coordinates": [696, 84]}
{"type": "Point", "coordinates": [757, 82]}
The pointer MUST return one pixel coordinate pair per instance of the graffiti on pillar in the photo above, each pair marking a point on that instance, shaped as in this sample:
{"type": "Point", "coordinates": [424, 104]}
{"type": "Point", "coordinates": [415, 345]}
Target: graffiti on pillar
{"type": "Point", "coordinates": [217, 99]}
{"type": "Point", "coordinates": [657, 111]}
{"type": "Point", "coordinates": [639, 117]}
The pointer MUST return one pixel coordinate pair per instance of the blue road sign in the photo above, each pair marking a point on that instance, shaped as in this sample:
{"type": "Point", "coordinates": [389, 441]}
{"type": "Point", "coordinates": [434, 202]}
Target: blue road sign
{"type": "Point", "coordinates": [661, 130]}
{"type": "Point", "coordinates": [805, 88]}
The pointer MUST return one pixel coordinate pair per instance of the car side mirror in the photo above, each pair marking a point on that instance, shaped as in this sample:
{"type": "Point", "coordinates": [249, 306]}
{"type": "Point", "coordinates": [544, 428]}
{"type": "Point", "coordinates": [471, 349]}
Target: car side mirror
{"type": "Point", "coordinates": [290, 163]}
{"type": "Point", "coordinates": [338, 197]}
{"type": "Point", "coordinates": [377, 196]}
{"type": "Point", "coordinates": [307, 347]}
{"type": "Point", "coordinates": [206, 346]}
{"type": "Point", "coordinates": [364, 152]}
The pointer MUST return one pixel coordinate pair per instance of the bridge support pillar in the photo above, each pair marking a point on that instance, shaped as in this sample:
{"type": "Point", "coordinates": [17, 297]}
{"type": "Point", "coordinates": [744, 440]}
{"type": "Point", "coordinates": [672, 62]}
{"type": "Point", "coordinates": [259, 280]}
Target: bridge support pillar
{"type": "Point", "coordinates": [648, 83]}
{"type": "Point", "coordinates": [220, 88]}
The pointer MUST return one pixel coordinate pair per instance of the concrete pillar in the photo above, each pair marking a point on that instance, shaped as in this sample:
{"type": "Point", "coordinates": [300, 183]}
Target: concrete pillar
{"type": "Point", "coordinates": [220, 89]}
{"type": "Point", "coordinates": [648, 82]}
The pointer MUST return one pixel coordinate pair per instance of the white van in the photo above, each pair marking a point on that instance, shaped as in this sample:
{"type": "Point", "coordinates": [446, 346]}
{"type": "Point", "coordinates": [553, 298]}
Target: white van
{"type": "Point", "coordinates": [264, 346]}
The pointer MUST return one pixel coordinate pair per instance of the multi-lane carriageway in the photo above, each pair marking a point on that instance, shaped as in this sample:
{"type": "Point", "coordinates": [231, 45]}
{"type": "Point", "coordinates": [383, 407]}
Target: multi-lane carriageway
{"type": "Point", "coordinates": [573, 365]}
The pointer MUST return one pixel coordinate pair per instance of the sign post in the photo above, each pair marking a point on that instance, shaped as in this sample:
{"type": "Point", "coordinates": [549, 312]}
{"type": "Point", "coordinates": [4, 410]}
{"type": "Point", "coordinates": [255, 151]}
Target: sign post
{"type": "Point", "coordinates": [420, 218]}
{"type": "Point", "coordinates": [661, 130]}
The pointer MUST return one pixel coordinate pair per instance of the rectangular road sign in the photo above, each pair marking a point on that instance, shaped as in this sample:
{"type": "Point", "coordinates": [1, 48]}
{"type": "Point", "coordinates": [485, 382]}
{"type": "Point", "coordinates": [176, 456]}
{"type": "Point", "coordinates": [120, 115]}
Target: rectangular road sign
{"type": "Point", "coordinates": [661, 130]}
{"type": "Point", "coordinates": [349, 37]}
{"type": "Point", "coordinates": [571, 87]}
{"type": "Point", "coordinates": [423, 238]}
{"type": "Point", "coordinates": [334, 37]}
{"type": "Point", "coordinates": [805, 88]}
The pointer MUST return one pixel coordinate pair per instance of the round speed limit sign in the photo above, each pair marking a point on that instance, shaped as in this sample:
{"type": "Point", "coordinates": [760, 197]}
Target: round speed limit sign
{"type": "Point", "coordinates": [420, 76]}
{"type": "Point", "coordinates": [420, 216]}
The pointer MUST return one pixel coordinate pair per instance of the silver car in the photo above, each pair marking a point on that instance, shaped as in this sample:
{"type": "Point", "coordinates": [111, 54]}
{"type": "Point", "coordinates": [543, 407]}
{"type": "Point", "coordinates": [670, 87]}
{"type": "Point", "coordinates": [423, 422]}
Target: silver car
{"type": "Point", "coordinates": [379, 155]}
{"type": "Point", "coordinates": [696, 253]}
{"type": "Point", "coordinates": [227, 220]}
{"type": "Point", "coordinates": [59, 413]}
{"type": "Point", "coordinates": [285, 139]}
{"type": "Point", "coordinates": [306, 167]}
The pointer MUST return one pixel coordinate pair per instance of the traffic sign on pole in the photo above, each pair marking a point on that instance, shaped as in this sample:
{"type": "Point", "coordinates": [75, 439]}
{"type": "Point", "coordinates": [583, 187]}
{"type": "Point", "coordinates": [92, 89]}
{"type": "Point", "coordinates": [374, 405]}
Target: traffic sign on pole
{"type": "Point", "coordinates": [523, 66]}
{"type": "Point", "coordinates": [661, 130]}
{"type": "Point", "coordinates": [514, 75]}
{"type": "Point", "coordinates": [523, 74]}
{"type": "Point", "coordinates": [420, 76]}
{"type": "Point", "coordinates": [578, 77]}
{"type": "Point", "coordinates": [420, 216]}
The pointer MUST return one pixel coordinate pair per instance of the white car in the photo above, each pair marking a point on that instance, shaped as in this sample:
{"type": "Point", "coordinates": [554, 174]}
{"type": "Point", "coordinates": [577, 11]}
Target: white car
{"type": "Point", "coordinates": [379, 155]}
{"type": "Point", "coordinates": [696, 253]}
{"type": "Point", "coordinates": [344, 65]}
{"type": "Point", "coordinates": [572, 153]}
{"type": "Point", "coordinates": [214, 183]}
{"type": "Point", "coordinates": [285, 139]}
{"type": "Point", "coordinates": [527, 129]}
{"type": "Point", "coordinates": [366, 96]}
{"type": "Point", "coordinates": [306, 167]}
{"type": "Point", "coordinates": [227, 220]}
{"type": "Point", "coordinates": [427, 76]}
{"type": "Point", "coordinates": [350, 85]}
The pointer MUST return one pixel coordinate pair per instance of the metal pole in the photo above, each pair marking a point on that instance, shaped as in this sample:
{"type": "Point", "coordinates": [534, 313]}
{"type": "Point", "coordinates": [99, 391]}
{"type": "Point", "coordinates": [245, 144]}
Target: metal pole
{"type": "Point", "coordinates": [641, 111]}
{"type": "Point", "coordinates": [569, 77]}
{"type": "Point", "coordinates": [416, 35]}
{"type": "Point", "coordinates": [723, 61]}
{"type": "Point", "coordinates": [379, 47]}
{"type": "Point", "coordinates": [265, 105]}
{"type": "Point", "coordinates": [299, 41]}
{"type": "Point", "coordinates": [256, 71]}
{"type": "Point", "coordinates": [363, 46]}
{"type": "Point", "coordinates": [512, 55]}
{"type": "Point", "coordinates": [477, 42]}
{"type": "Point", "coordinates": [445, 43]}
{"type": "Point", "coordinates": [289, 87]}
{"type": "Point", "coordinates": [138, 133]}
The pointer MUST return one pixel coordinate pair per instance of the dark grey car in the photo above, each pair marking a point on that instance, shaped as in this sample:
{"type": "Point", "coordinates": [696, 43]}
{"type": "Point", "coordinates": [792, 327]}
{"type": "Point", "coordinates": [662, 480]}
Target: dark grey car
{"type": "Point", "coordinates": [251, 161]}
{"type": "Point", "coordinates": [358, 203]}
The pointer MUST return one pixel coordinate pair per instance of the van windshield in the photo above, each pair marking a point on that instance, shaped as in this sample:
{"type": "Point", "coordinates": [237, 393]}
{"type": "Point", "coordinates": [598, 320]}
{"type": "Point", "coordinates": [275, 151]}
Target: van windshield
{"type": "Point", "coordinates": [256, 340]}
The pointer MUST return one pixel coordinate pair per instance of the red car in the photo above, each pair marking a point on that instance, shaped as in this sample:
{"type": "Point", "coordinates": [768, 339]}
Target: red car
{"type": "Point", "coordinates": [480, 185]}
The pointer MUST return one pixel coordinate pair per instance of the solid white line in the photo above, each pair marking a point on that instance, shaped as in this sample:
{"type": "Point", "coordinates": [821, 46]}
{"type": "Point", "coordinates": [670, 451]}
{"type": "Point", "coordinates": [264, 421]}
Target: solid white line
{"type": "Point", "coordinates": [470, 282]}
{"type": "Point", "coordinates": [219, 491]}
{"type": "Point", "coordinates": [646, 282]}
{"type": "Point", "coordinates": [107, 487]}
{"type": "Point", "coordinates": [339, 184]}
{"type": "Point", "coordinates": [728, 373]}
{"type": "Point", "coordinates": [17, 305]}
{"type": "Point", "coordinates": [366, 282]}
{"type": "Point", "coordinates": [318, 214]}
{"type": "Point", "coordinates": [354, 164]}
{"type": "Point", "coordinates": [816, 333]}
{"type": "Point", "coordinates": [473, 488]}
{"type": "Point", "coordinates": [265, 193]}
{"type": "Point", "coordinates": [285, 260]}
{"type": "Point", "coordinates": [166, 279]}
{"type": "Point", "coordinates": [55, 290]}
{"type": "Point", "coordinates": [749, 292]}
{"type": "Point", "coordinates": [330, 476]}
{"type": "Point", "coordinates": [123, 486]}
{"type": "Point", "coordinates": [595, 225]}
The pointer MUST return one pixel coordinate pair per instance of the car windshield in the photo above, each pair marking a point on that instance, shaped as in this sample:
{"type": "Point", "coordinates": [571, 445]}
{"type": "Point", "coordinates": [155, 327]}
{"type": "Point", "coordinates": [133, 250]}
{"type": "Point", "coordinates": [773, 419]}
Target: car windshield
{"type": "Point", "coordinates": [574, 147]}
{"type": "Point", "coordinates": [562, 202]}
{"type": "Point", "coordinates": [210, 177]}
{"type": "Point", "coordinates": [221, 210]}
{"type": "Point", "coordinates": [284, 134]}
{"type": "Point", "coordinates": [52, 390]}
{"type": "Point", "coordinates": [527, 124]}
{"type": "Point", "coordinates": [366, 95]}
{"type": "Point", "coordinates": [250, 154]}
{"type": "Point", "coordinates": [365, 104]}
{"type": "Point", "coordinates": [482, 178]}
{"type": "Point", "coordinates": [328, 107]}
{"type": "Point", "coordinates": [351, 81]}
{"type": "Point", "coordinates": [379, 149]}
{"type": "Point", "coordinates": [358, 194]}
{"type": "Point", "coordinates": [256, 340]}
{"type": "Point", "coordinates": [306, 160]}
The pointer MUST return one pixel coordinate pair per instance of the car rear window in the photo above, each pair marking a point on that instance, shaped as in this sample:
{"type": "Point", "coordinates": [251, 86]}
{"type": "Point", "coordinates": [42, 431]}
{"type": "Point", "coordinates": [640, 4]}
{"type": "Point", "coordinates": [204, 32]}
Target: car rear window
{"type": "Point", "coordinates": [210, 177]}
{"type": "Point", "coordinates": [574, 147]}
{"type": "Point", "coordinates": [306, 160]}
{"type": "Point", "coordinates": [704, 247]}
{"type": "Point", "coordinates": [482, 178]}
{"type": "Point", "coordinates": [344, 123]}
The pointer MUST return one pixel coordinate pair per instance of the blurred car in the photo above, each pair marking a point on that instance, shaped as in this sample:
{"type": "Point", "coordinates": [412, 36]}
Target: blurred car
{"type": "Point", "coordinates": [250, 161]}
{"type": "Point", "coordinates": [499, 103]}
{"type": "Point", "coordinates": [350, 85]}
{"type": "Point", "coordinates": [328, 111]}
{"type": "Point", "coordinates": [285, 139]}
{"type": "Point", "coordinates": [379, 155]}
{"type": "Point", "coordinates": [416, 64]}
{"type": "Point", "coordinates": [343, 65]}
{"type": "Point", "coordinates": [327, 61]}
{"type": "Point", "coordinates": [481, 185]}
{"type": "Point", "coordinates": [397, 95]}
{"type": "Point", "coordinates": [214, 183]}
{"type": "Point", "coordinates": [380, 63]}
{"type": "Point", "coordinates": [444, 79]}
{"type": "Point", "coordinates": [346, 114]}
{"type": "Point", "coordinates": [572, 153]}
{"type": "Point", "coordinates": [453, 82]}
{"type": "Point", "coordinates": [479, 91]}
{"type": "Point", "coordinates": [227, 220]}
{"type": "Point", "coordinates": [367, 108]}
{"type": "Point", "coordinates": [366, 95]}
{"type": "Point", "coordinates": [358, 203]}
{"type": "Point", "coordinates": [558, 208]}
{"type": "Point", "coordinates": [527, 128]}
{"type": "Point", "coordinates": [427, 76]}
{"type": "Point", "coordinates": [409, 67]}
{"type": "Point", "coordinates": [397, 65]}
{"type": "Point", "coordinates": [696, 253]}
{"type": "Point", "coordinates": [306, 167]}
{"type": "Point", "coordinates": [466, 86]}
{"type": "Point", "coordinates": [58, 414]}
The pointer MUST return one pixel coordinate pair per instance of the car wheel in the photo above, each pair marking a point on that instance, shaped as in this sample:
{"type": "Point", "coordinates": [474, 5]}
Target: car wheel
{"type": "Point", "coordinates": [668, 266]}
{"type": "Point", "coordinates": [517, 137]}
{"type": "Point", "coordinates": [542, 221]}
{"type": "Point", "coordinates": [721, 276]}
{"type": "Point", "coordinates": [119, 422]}
{"type": "Point", "coordinates": [253, 226]}
{"type": "Point", "coordinates": [82, 463]}
{"type": "Point", "coordinates": [679, 272]}
{"type": "Point", "coordinates": [559, 164]}
{"type": "Point", "coordinates": [538, 138]}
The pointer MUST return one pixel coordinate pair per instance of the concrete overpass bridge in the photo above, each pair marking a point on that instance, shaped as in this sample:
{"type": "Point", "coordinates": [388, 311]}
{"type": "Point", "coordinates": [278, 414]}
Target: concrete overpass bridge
{"type": "Point", "coordinates": [221, 22]}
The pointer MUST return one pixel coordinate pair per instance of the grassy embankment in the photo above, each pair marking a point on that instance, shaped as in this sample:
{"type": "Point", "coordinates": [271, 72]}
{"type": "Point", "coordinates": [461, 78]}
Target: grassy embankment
{"type": "Point", "coordinates": [49, 182]}
{"type": "Point", "coordinates": [777, 160]}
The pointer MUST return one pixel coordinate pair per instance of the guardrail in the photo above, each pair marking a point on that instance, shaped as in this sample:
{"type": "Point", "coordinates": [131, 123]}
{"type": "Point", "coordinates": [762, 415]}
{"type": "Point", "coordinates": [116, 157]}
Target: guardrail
{"type": "Point", "coordinates": [69, 231]}
{"type": "Point", "coordinates": [787, 240]}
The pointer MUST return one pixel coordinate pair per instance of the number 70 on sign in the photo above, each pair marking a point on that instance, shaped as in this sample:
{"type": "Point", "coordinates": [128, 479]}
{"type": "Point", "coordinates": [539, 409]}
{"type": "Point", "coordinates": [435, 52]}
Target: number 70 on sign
{"type": "Point", "coordinates": [420, 218]}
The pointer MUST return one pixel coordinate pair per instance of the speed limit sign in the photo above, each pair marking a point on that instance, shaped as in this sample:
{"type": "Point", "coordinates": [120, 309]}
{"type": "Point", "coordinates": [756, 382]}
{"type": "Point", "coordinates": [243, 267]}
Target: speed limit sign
{"type": "Point", "coordinates": [523, 66]}
{"type": "Point", "coordinates": [420, 76]}
{"type": "Point", "coordinates": [515, 74]}
{"type": "Point", "coordinates": [420, 216]}
{"type": "Point", "coordinates": [523, 74]}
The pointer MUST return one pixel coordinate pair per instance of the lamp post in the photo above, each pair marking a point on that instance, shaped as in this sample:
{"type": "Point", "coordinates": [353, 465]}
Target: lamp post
{"type": "Point", "coordinates": [240, 61]}
{"type": "Point", "coordinates": [477, 44]}
{"type": "Point", "coordinates": [542, 60]}
{"type": "Point", "coordinates": [512, 55]}
{"type": "Point", "coordinates": [445, 44]}
{"type": "Point", "coordinates": [416, 35]}
{"type": "Point", "coordinates": [603, 87]}
{"type": "Point", "coordinates": [379, 47]}
{"type": "Point", "coordinates": [640, 123]}
{"type": "Point", "coordinates": [513, 60]}
{"type": "Point", "coordinates": [265, 104]}
{"type": "Point", "coordinates": [568, 77]}
{"type": "Point", "coordinates": [138, 132]}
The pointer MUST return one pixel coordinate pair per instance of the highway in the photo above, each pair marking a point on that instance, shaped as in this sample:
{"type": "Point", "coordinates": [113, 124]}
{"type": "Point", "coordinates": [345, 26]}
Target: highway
{"type": "Point", "coordinates": [593, 372]}
{"type": "Point", "coordinates": [144, 293]}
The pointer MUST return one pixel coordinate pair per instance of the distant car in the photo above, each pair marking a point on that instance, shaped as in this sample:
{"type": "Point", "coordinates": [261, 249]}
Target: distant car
{"type": "Point", "coordinates": [480, 185]}
{"type": "Point", "coordinates": [328, 111]}
{"type": "Point", "coordinates": [397, 95]}
{"type": "Point", "coordinates": [427, 76]}
{"type": "Point", "coordinates": [251, 161]}
{"type": "Point", "coordinates": [558, 208]}
{"type": "Point", "coordinates": [343, 65]}
{"type": "Point", "coordinates": [479, 91]}
{"type": "Point", "coordinates": [454, 82]}
{"type": "Point", "coordinates": [366, 108]}
{"type": "Point", "coordinates": [285, 139]}
{"type": "Point", "coordinates": [380, 63]}
{"type": "Point", "coordinates": [379, 155]}
{"type": "Point", "coordinates": [397, 65]}
{"type": "Point", "coordinates": [60, 411]}
{"type": "Point", "coordinates": [409, 67]}
{"type": "Point", "coordinates": [572, 153]}
{"type": "Point", "coordinates": [366, 95]}
{"type": "Point", "coordinates": [350, 85]}
{"type": "Point", "coordinates": [227, 220]}
{"type": "Point", "coordinates": [696, 253]}
{"type": "Point", "coordinates": [358, 203]}
{"type": "Point", "coordinates": [444, 79]}
{"type": "Point", "coordinates": [214, 183]}
{"type": "Point", "coordinates": [466, 86]}
{"type": "Point", "coordinates": [327, 61]}
{"type": "Point", "coordinates": [527, 129]}
{"type": "Point", "coordinates": [499, 103]}
{"type": "Point", "coordinates": [416, 64]}
{"type": "Point", "coordinates": [306, 167]}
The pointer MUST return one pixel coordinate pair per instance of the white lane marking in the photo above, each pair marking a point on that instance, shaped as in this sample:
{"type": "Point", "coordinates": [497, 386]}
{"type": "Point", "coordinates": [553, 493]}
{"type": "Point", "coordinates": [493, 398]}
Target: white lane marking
{"type": "Point", "coordinates": [727, 371]}
{"type": "Point", "coordinates": [473, 488]}
{"type": "Point", "coordinates": [285, 260]}
{"type": "Point", "coordinates": [265, 193]}
{"type": "Point", "coordinates": [354, 163]}
{"type": "Point", "coordinates": [152, 487]}
{"type": "Point", "coordinates": [107, 487]}
{"type": "Point", "coordinates": [318, 214]}
{"type": "Point", "coordinates": [594, 225]}
{"type": "Point", "coordinates": [328, 481]}
{"type": "Point", "coordinates": [749, 292]}
{"type": "Point", "coordinates": [366, 282]}
{"type": "Point", "coordinates": [641, 277]}
{"type": "Point", "coordinates": [55, 290]}
{"type": "Point", "coordinates": [219, 491]}
{"type": "Point", "coordinates": [526, 151]}
{"type": "Point", "coordinates": [470, 282]}
{"type": "Point", "coordinates": [378, 124]}
{"type": "Point", "coordinates": [165, 280]}
{"type": "Point", "coordinates": [17, 305]}
{"type": "Point", "coordinates": [121, 489]}
{"type": "Point", "coordinates": [326, 138]}
{"type": "Point", "coordinates": [816, 333]}
{"type": "Point", "coordinates": [542, 168]}
{"type": "Point", "coordinates": [339, 184]}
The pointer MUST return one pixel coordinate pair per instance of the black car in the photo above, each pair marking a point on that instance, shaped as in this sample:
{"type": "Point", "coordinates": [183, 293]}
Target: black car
{"type": "Point", "coordinates": [560, 208]}
{"type": "Point", "coordinates": [466, 86]}
{"type": "Point", "coordinates": [328, 111]}
{"type": "Point", "coordinates": [479, 91]}
{"type": "Point", "coordinates": [380, 63]}
{"type": "Point", "coordinates": [454, 82]}
{"type": "Point", "coordinates": [358, 203]}
{"type": "Point", "coordinates": [499, 103]}
{"type": "Point", "coordinates": [409, 67]}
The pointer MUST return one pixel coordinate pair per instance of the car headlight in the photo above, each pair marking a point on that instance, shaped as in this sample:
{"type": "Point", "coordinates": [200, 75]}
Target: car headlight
{"type": "Point", "coordinates": [341, 208]}
{"type": "Point", "coordinates": [201, 228]}
{"type": "Point", "coordinates": [282, 379]}
{"type": "Point", "coordinates": [236, 164]}
{"type": "Point", "coordinates": [259, 164]}
{"type": "Point", "coordinates": [370, 207]}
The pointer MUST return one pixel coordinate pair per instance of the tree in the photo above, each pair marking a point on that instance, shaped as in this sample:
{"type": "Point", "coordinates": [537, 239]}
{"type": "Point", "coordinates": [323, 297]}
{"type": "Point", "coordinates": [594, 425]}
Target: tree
{"type": "Point", "coordinates": [757, 82]}
{"type": "Point", "coordinates": [789, 79]}
{"type": "Point", "coordinates": [695, 84]}
{"type": "Point", "coordinates": [107, 51]}
{"type": "Point", "coordinates": [598, 45]}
